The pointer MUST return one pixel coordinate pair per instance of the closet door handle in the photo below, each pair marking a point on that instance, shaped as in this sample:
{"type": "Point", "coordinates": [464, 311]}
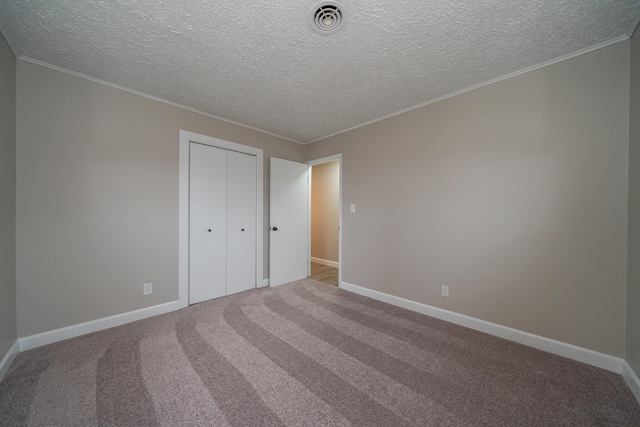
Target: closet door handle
{"type": "Point", "coordinates": [209, 230]}
{"type": "Point", "coordinates": [274, 228]}
{"type": "Point", "coordinates": [243, 229]}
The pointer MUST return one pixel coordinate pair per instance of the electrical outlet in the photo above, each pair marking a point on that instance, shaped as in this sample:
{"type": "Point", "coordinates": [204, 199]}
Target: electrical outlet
{"type": "Point", "coordinates": [147, 289]}
{"type": "Point", "coordinates": [445, 291]}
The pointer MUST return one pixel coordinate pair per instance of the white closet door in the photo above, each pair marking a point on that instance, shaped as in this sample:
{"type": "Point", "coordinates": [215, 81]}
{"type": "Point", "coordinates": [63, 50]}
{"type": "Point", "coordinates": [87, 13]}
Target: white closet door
{"type": "Point", "coordinates": [241, 222]}
{"type": "Point", "coordinates": [207, 223]}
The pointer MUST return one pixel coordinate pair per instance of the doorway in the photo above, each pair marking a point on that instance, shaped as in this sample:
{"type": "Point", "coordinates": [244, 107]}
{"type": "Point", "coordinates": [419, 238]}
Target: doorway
{"type": "Point", "coordinates": [325, 220]}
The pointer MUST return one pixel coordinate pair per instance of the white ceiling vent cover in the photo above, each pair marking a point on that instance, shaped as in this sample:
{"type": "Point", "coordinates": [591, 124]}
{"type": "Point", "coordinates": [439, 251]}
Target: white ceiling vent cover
{"type": "Point", "coordinates": [328, 17]}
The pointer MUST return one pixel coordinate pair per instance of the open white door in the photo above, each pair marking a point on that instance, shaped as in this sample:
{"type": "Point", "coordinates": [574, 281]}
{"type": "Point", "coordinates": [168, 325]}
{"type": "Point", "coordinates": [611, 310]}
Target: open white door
{"type": "Point", "coordinates": [289, 218]}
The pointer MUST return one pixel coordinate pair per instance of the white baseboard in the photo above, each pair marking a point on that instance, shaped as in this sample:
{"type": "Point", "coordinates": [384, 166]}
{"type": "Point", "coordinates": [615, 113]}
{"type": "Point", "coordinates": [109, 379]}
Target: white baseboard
{"type": "Point", "coordinates": [49, 337]}
{"type": "Point", "coordinates": [6, 361]}
{"type": "Point", "coordinates": [590, 357]}
{"type": "Point", "coordinates": [632, 380]}
{"type": "Point", "coordinates": [570, 351]}
{"type": "Point", "coordinates": [325, 262]}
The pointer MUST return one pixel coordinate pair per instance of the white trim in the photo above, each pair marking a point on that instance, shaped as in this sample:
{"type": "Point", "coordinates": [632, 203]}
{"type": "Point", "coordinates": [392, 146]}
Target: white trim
{"type": "Point", "coordinates": [50, 337]}
{"type": "Point", "coordinates": [632, 380]}
{"type": "Point", "coordinates": [319, 161]}
{"type": "Point", "coordinates": [7, 360]}
{"type": "Point", "coordinates": [570, 351]}
{"type": "Point", "coordinates": [309, 206]}
{"type": "Point", "coordinates": [145, 95]}
{"type": "Point", "coordinates": [487, 83]}
{"type": "Point", "coordinates": [183, 221]}
{"type": "Point", "coordinates": [327, 159]}
{"type": "Point", "coordinates": [183, 205]}
{"type": "Point", "coordinates": [326, 262]}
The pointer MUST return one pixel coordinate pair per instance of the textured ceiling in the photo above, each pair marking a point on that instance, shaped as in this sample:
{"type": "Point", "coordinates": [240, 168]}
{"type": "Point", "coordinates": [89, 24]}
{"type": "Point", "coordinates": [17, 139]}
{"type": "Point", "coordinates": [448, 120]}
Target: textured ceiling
{"type": "Point", "coordinates": [258, 62]}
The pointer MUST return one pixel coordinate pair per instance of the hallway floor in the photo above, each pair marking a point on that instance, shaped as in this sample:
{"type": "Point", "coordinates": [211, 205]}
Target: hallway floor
{"type": "Point", "coordinates": [324, 273]}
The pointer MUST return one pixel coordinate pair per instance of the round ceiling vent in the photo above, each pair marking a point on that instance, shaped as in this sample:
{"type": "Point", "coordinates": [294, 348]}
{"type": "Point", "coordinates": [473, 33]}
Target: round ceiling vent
{"type": "Point", "coordinates": [328, 17]}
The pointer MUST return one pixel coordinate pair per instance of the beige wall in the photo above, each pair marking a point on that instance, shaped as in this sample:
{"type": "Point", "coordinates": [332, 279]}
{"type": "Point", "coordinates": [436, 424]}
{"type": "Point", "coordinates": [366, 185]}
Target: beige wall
{"type": "Point", "coordinates": [633, 264]}
{"type": "Point", "coordinates": [514, 195]}
{"type": "Point", "coordinates": [325, 200]}
{"type": "Point", "coordinates": [97, 193]}
{"type": "Point", "coordinates": [8, 333]}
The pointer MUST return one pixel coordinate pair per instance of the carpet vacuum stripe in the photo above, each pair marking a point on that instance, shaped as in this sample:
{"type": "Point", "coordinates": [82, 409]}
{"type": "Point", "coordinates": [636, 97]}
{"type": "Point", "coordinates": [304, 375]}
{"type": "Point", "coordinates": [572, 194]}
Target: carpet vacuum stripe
{"type": "Point", "coordinates": [445, 393]}
{"type": "Point", "coordinates": [274, 385]}
{"type": "Point", "coordinates": [229, 388]}
{"type": "Point", "coordinates": [402, 400]}
{"type": "Point", "coordinates": [179, 395]}
{"type": "Point", "coordinates": [121, 396]}
{"type": "Point", "coordinates": [304, 354]}
{"type": "Point", "coordinates": [558, 386]}
{"type": "Point", "coordinates": [442, 364]}
{"type": "Point", "coordinates": [485, 376]}
{"type": "Point", "coordinates": [354, 405]}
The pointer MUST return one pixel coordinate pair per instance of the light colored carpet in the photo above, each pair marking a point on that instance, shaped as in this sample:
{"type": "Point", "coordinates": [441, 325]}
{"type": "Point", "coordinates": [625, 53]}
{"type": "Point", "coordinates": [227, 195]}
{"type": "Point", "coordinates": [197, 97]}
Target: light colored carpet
{"type": "Point", "coordinates": [304, 354]}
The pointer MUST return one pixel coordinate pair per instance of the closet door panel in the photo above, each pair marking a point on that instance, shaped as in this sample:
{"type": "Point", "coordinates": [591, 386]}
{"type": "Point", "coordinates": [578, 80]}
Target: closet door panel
{"type": "Point", "coordinates": [207, 223]}
{"type": "Point", "coordinates": [241, 222]}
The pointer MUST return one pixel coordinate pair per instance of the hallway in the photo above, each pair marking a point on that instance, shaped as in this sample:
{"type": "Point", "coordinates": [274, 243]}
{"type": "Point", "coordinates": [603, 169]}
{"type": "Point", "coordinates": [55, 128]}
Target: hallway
{"type": "Point", "coordinates": [324, 273]}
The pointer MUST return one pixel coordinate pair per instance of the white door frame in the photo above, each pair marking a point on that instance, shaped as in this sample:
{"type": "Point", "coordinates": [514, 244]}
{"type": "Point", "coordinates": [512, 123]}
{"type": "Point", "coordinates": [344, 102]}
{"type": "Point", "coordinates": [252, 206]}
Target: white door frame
{"type": "Point", "coordinates": [183, 206]}
{"type": "Point", "coordinates": [320, 161]}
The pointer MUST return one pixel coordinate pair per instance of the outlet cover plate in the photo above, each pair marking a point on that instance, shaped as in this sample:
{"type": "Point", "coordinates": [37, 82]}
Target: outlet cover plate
{"type": "Point", "coordinates": [147, 289]}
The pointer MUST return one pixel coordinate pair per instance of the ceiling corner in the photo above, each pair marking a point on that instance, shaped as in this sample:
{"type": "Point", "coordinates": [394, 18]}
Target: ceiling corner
{"type": "Point", "coordinates": [634, 24]}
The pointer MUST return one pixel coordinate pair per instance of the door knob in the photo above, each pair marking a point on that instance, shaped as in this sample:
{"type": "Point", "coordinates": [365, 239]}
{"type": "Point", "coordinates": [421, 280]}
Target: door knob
{"type": "Point", "coordinates": [209, 230]}
{"type": "Point", "coordinates": [243, 229]}
{"type": "Point", "coordinates": [274, 228]}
